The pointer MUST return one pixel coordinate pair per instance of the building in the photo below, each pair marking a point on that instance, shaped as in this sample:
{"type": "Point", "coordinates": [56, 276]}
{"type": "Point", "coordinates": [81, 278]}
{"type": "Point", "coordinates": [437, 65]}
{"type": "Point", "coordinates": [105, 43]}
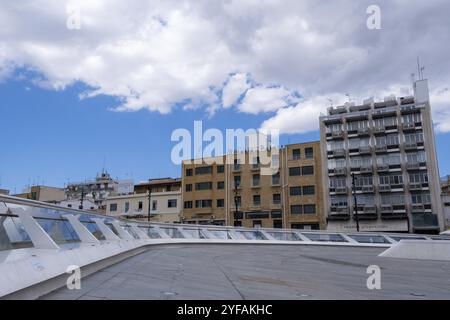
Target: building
{"type": "Point", "coordinates": [165, 199]}
{"type": "Point", "coordinates": [76, 204]}
{"type": "Point", "coordinates": [98, 190]}
{"type": "Point", "coordinates": [445, 188]}
{"type": "Point", "coordinates": [43, 193]}
{"type": "Point", "coordinates": [4, 192]}
{"type": "Point", "coordinates": [290, 198]}
{"type": "Point", "coordinates": [389, 147]}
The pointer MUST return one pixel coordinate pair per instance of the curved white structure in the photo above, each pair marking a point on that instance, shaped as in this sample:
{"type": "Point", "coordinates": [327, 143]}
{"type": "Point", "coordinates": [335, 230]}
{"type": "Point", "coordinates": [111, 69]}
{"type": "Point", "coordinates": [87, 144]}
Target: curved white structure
{"type": "Point", "coordinates": [39, 242]}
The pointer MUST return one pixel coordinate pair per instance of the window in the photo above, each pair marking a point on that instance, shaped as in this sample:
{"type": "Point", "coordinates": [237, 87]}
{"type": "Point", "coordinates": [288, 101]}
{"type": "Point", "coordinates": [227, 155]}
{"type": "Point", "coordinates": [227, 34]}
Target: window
{"type": "Point", "coordinates": [188, 187]}
{"type": "Point", "coordinates": [257, 223]}
{"type": "Point", "coordinates": [113, 207]}
{"type": "Point", "coordinates": [416, 137]}
{"type": "Point", "coordinates": [172, 203]}
{"type": "Point", "coordinates": [276, 179]}
{"type": "Point", "coordinates": [296, 154]}
{"type": "Point", "coordinates": [309, 190]}
{"type": "Point", "coordinates": [393, 179]}
{"type": "Point", "coordinates": [337, 127]}
{"type": "Point", "coordinates": [416, 157]}
{"type": "Point", "coordinates": [220, 185]}
{"type": "Point", "coordinates": [220, 169]}
{"type": "Point", "coordinates": [339, 201]}
{"type": "Point", "coordinates": [237, 199]}
{"type": "Point", "coordinates": [393, 199]}
{"type": "Point", "coordinates": [203, 203]}
{"type": "Point", "coordinates": [412, 118]}
{"type": "Point", "coordinates": [296, 191]}
{"type": "Point", "coordinates": [188, 204]}
{"type": "Point", "coordinates": [276, 214]}
{"type": "Point", "coordinates": [140, 205]}
{"type": "Point", "coordinates": [188, 172]}
{"type": "Point", "coordinates": [237, 181]}
{"type": "Point", "coordinates": [356, 125]}
{"type": "Point", "coordinates": [203, 170]}
{"type": "Point", "coordinates": [309, 209]}
{"type": "Point", "coordinates": [421, 177]}
{"type": "Point", "coordinates": [296, 209]}
{"type": "Point", "coordinates": [309, 153]}
{"type": "Point", "coordinates": [256, 179]}
{"type": "Point", "coordinates": [278, 224]}
{"type": "Point", "coordinates": [295, 171]}
{"type": "Point", "coordinates": [154, 205]}
{"type": "Point", "coordinates": [338, 182]}
{"type": "Point", "coordinates": [256, 200]}
{"type": "Point", "coordinates": [307, 170]}
{"type": "Point", "coordinates": [220, 203]}
{"type": "Point", "coordinates": [69, 206]}
{"type": "Point", "coordinates": [203, 186]}
{"type": "Point", "coordinates": [127, 206]}
{"type": "Point", "coordinates": [363, 181]}
{"type": "Point", "coordinates": [276, 198]}
{"type": "Point", "coordinates": [419, 198]}
{"type": "Point", "coordinates": [385, 122]}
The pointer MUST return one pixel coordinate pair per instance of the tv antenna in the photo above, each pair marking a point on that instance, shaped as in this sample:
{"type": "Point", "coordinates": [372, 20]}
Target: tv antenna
{"type": "Point", "coordinates": [420, 69]}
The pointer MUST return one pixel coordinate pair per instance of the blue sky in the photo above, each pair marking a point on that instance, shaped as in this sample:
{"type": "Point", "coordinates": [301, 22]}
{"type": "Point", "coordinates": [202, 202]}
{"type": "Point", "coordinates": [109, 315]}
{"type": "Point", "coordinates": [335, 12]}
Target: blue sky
{"type": "Point", "coordinates": [52, 137]}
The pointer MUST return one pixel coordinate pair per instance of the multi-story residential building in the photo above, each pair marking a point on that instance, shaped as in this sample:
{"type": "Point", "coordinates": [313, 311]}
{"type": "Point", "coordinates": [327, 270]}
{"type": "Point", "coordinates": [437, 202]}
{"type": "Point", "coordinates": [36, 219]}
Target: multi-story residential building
{"type": "Point", "coordinates": [4, 192]}
{"type": "Point", "coordinates": [239, 194]}
{"type": "Point", "coordinates": [445, 188]}
{"type": "Point", "coordinates": [43, 193]}
{"type": "Point", "coordinates": [389, 149]}
{"type": "Point", "coordinates": [98, 190]}
{"type": "Point", "coordinates": [164, 199]}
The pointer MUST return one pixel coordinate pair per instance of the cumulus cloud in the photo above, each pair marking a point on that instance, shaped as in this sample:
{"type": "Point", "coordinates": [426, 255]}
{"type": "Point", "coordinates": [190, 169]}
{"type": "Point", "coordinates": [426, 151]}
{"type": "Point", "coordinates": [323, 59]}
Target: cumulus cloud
{"type": "Point", "coordinates": [251, 56]}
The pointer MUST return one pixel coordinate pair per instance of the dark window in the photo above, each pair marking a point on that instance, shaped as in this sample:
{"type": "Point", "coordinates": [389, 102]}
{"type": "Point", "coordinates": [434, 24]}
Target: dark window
{"type": "Point", "coordinates": [308, 170]}
{"type": "Point", "coordinates": [238, 223]}
{"type": "Point", "coordinates": [127, 206]}
{"type": "Point", "coordinates": [237, 199]}
{"type": "Point", "coordinates": [220, 203]}
{"type": "Point", "coordinates": [188, 172]}
{"type": "Point", "coordinates": [203, 186]}
{"type": "Point", "coordinates": [238, 215]}
{"type": "Point", "coordinates": [309, 209]}
{"type": "Point", "coordinates": [309, 153]}
{"type": "Point", "coordinates": [203, 203]}
{"type": "Point", "coordinates": [276, 214]}
{"type": "Point", "coordinates": [69, 206]}
{"type": "Point", "coordinates": [220, 169]}
{"type": "Point", "coordinates": [257, 223]}
{"type": "Point", "coordinates": [237, 181]}
{"type": "Point", "coordinates": [296, 154]}
{"type": "Point", "coordinates": [276, 179]}
{"type": "Point", "coordinates": [309, 190]}
{"type": "Point", "coordinates": [276, 198]}
{"type": "Point", "coordinates": [113, 207]}
{"type": "Point", "coordinates": [154, 205]}
{"type": "Point", "coordinates": [314, 226]}
{"type": "Point", "coordinates": [296, 191]}
{"type": "Point", "coordinates": [172, 203]}
{"type": "Point", "coordinates": [188, 204]}
{"type": "Point", "coordinates": [256, 200]}
{"type": "Point", "coordinates": [295, 171]}
{"type": "Point", "coordinates": [140, 205]}
{"type": "Point", "coordinates": [256, 179]}
{"type": "Point", "coordinates": [296, 209]}
{"type": "Point", "coordinates": [278, 224]}
{"type": "Point", "coordinates": [220, 185]}
{"type": "Point", "coordinates": [188, 187]}
{"type": "Point", "coordinates": [203, 170]}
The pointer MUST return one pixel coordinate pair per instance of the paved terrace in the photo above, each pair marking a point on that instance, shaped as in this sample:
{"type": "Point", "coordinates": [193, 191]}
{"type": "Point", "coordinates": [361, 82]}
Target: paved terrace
{"type": "Point", "coordinates": [204, 271]}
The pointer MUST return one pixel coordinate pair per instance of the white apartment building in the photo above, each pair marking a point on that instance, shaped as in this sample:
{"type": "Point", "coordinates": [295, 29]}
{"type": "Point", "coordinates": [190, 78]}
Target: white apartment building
{"type": "Point", "coordinates": [389, 148]}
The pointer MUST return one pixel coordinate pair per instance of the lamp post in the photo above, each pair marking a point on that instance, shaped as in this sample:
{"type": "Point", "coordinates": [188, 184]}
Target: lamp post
{"type": "Point", "coordinates": [355, 200]}
{"type": "Point", "coordinates": [235, 204]}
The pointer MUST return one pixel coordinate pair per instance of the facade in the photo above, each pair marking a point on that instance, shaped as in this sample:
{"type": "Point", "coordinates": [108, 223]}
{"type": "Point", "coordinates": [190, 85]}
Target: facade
{"type": "Point", "coordinates": [158, 185]}
{"type": "Point", "coordinates": [76, 204]}
{"type": "Point", "coordinates": [43, 193]}
{"type": "Point", "coordinates": [4, 192]}
{"type": "Point", "coordinates": [389, 148]}
{"type": "Point", "coordinates": [290, 198]}
{"type": "Point", "coordinates": [98, 190]}
{"type": "Point", "coordinates": [165, 206]}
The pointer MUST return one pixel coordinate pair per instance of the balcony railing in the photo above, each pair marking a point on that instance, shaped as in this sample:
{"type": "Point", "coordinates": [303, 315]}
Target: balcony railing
{"type": "Point", "coordinates": [368, 189]}
{"type": "Point", "coordinates": [363, 131]}
{"type": "Point", "coordinates": [339, 153]}
{"type": "Point", "coordinates": [413, 166]}
{"type": "Point", "coordinates": [237, 167]}
{"type": "Point", "coordinates": [341, 190]}
{"type": "Point", "coordinates": [340, 171]}
{"type": "Point", "coordinates": [365, 150]}
{"type": "Point", "coordinates": [411, 146]}
{"type": "Point", "coordinates": [418, 208]}
{"type": "Point", "coordinates": [366, 169]}
{"type": "Point", "coordinates": [382, 167]}
{"type": "Point", "coordinates": [384, 188]}
{"type": "Point", "coordinates": [408, 126]}
{"type": "Point", "coordinates": [380, 148]}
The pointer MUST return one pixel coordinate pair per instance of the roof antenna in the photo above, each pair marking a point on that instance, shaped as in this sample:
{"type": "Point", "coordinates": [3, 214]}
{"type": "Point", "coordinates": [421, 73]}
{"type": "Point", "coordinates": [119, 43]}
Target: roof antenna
{"type": "Point", "coordinates": [331, 102]}
{"type": "Point", "coordinates": [420, 69]}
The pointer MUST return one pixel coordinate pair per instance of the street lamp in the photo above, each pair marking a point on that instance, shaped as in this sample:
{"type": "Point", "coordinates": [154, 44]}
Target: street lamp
{"type": "Point", "coordinates": [149, 201]}
{"type": "Point", "coordinates": [235, 204]}
{"type": "Point", "coordinates": [355, 200]}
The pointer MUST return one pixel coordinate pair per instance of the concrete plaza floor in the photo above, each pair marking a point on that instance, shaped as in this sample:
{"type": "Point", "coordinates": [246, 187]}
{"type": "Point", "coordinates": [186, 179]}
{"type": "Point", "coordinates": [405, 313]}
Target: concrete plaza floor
{"type": "Point", "coordinates": [260, 272]}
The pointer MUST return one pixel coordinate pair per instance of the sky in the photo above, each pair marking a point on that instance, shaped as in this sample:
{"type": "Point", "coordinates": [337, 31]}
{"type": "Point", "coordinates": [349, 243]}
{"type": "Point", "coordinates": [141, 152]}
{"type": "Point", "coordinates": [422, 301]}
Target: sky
{"type": "Point", "coordinates": [86, 85]}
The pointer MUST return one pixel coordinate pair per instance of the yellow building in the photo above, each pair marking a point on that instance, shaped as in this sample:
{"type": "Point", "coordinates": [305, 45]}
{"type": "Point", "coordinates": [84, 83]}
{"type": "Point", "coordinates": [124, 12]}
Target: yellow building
{"type": "Point", "coordinates": [290, 198]}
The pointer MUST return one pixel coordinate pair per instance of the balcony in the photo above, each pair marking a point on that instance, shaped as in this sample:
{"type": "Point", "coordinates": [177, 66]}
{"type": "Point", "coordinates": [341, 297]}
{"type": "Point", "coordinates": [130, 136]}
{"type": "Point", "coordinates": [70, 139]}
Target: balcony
{"type": "Point", "coordinates": [417, 208]}
{"type": "Point", "coordinates": [340, 171]}
{"type": "Point", "coordinates": [386, 209]}
{"type": "Point", "coordinates": [339, 153]}
{"type": "Point", "coordinates": [339, 213]}
{"type": "Point", "coordinates": [363, 132]}
{"type": "Point", "coordinates": [393, 145]}
{"type": "Point", "coordinates": [366, 213]}
{"type": "Point", "coordinates": [366, 169]}
{"type": "Point", "coordinates": [383, 188]}
{"type": "Point", "coordinates": [409, 126]}
{"type": "Point", "coordinates": [337, 135]}
{"type": "Point", "coordinates": [379, 130]}
{"type": "Point", "coordinates": [368, 189]}
{"type": "Point", "coordinates": [381, 149]}
{"type": "Point", "coordinates": [341, 190]}
{"type": "Point", "coordinates": [365, 150]}
{"type": "Point", "coordinates": [412, 166]}
{"type": "Point", "coordinates": [415, 186]}
{"type": "Point", "coordinates": [393, 215]}
{"type": "Point", "coordinates": [382, 168]}
{"type": "Point", "coordinates": [255, 167]}
{"type": "Point", "coordinates": [409, 146]}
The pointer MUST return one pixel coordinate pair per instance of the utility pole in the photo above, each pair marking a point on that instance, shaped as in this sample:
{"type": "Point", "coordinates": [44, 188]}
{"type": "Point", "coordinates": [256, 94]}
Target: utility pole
{"type": "Point", "coordinates": [355, 201]}
{"type": "Point", "coordinates": [149, 201]}
{"type": "Point", "coordinates": [235, 204]}
{"type": "Point", "coordinates": [82, 197]}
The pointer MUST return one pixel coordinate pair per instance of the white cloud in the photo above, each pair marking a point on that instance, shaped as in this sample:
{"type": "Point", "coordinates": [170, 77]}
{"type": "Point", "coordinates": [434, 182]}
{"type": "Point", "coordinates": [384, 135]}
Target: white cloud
{"type": "Point", "coordinates": [156, 54]}
{"type": "Point", "coordinates": [262, 99]}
